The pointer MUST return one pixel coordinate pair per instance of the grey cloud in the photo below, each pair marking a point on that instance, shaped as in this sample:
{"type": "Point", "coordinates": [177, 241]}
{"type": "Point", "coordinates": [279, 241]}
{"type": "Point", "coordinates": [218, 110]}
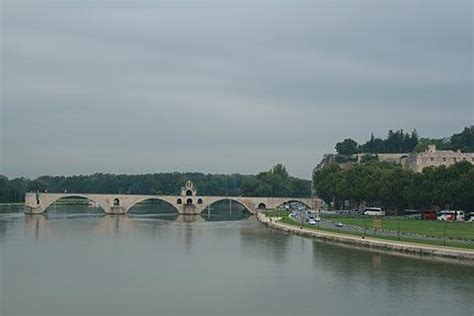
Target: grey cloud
{"type": "Point", "coordinates": [150, 86]}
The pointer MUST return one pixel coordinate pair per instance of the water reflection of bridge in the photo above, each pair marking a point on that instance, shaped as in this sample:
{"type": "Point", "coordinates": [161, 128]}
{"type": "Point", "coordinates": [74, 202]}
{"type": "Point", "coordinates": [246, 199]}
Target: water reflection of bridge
{"type": "Point", "coordinates": [45, 227]}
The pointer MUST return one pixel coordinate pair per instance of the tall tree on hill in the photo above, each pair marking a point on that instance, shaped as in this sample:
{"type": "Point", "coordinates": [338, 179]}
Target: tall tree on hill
{"type": "Point", "coordinates": [347, 147]}
{"type": "Point", "coordinates": [464, 140]}
{"type": "Point", "coordinates": [396, 142]}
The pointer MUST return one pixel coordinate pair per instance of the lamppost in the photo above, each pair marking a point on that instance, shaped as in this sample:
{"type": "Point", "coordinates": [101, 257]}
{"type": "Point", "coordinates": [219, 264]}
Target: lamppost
{"type": "Point", "coordinates": [301, 218]}
{"type": "Point", "coordinates": [398, 230]}
{"type": "Point", "coordinates": [444, 234]}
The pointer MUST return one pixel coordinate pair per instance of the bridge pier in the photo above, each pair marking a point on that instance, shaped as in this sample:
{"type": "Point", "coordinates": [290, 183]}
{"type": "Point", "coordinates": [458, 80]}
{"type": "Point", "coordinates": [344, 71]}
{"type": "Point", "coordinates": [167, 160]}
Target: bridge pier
{"type": "Point", "coordinates": [34, 210]}
{"type": "Point", "coordinates": [116, 210]}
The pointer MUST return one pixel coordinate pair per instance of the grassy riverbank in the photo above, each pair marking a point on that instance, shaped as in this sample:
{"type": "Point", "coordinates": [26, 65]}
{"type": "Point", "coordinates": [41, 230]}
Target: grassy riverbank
{"type": "Point", "coordinates": [454, 230]}
{"type": "Point", "coordinates": [369, 233]}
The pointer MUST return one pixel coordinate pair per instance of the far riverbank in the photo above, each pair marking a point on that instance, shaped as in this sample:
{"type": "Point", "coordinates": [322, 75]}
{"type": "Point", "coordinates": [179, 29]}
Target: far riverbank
{"type": "Point", "coordinates": [439, 252]}
{"type": "Point", "coordinates": [13, 204]}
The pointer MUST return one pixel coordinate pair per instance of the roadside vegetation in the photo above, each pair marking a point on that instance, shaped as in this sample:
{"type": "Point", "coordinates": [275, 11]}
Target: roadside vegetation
{"type": "Point", "coordinates": [395, 188]}
{"type": "Point", "coordinates": [452, 230]}
{"type": "Point", "coordinates": [464, 234]}
{"type": "Point", "coordinates": [277, 213]}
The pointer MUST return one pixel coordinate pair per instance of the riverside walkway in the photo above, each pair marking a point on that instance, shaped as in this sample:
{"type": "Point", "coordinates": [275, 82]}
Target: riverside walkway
{"type": "Point", "coordinates": [465, 255]}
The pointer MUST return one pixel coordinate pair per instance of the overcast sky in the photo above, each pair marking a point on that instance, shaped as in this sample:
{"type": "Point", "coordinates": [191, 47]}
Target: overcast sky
{"type": "Point", "coordinates": [224, 86]}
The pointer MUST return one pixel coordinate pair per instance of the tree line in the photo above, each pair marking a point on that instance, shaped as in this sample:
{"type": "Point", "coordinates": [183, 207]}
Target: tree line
{"type": "Point", "coordinates": [463, 141]}
{"type": "Point", "coordinates": [394, 188]}
{"type": "Point", "coordinates": [273, 183]}
{"type": "Point", "coordinates": [402, 142]}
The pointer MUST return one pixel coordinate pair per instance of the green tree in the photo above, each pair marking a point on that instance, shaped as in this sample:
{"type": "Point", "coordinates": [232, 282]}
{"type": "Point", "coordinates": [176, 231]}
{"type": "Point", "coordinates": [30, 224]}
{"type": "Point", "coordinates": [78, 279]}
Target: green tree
{"type": "Point", "coordinates": [464, 140]}
{"type": "Point", "coordinates": [347, 147]}
{"type": "Point", "coordinates": [325, 183]}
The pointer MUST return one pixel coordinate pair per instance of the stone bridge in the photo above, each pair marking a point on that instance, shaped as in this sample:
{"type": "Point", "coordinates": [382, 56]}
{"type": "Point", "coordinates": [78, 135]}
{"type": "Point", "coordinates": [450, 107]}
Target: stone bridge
{"type": "Point", "coordinates": [186, 203]}
{"type": "Point", "coordinates": [37, 203]}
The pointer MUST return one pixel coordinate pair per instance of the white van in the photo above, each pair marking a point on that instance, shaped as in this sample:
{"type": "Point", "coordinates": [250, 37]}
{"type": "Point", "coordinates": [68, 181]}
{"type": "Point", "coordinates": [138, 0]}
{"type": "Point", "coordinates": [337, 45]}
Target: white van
{"type": "Point", "coordinates": [374, 211]}
{"type": "Point", "coordinates": [448, 215]}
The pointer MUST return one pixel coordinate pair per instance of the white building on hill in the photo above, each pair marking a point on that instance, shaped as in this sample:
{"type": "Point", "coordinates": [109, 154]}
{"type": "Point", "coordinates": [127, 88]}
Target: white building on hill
{"type": "Point", "coordinates": [432, 157]}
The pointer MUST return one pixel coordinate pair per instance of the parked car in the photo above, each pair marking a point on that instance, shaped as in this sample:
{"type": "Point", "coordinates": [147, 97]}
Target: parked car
{"type": "Point", "coordinates": [450, 215]}
{"type": "Point", "coordinates": [470, 217]}
{"type": "Point", "coordinates": [430, 215]}
{"type": "Point", "coordinates": [311, 221]}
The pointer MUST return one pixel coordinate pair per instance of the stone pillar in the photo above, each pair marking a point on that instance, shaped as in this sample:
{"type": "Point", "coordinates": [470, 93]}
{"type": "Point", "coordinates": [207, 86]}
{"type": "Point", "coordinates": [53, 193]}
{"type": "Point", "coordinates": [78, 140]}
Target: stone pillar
{"type": "Point", "coordinates": [33, 203]}
{"type": "Point", "coordinates": [189, 210]}
{"type": "Point", "coordinates": [115, 210]}
{"type": "Point", "coordinates": [33, 210]}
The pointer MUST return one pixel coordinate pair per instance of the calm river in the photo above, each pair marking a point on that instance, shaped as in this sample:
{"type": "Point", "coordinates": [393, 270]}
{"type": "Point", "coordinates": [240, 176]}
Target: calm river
{"type": "Point", "coordinates": [76, 261]}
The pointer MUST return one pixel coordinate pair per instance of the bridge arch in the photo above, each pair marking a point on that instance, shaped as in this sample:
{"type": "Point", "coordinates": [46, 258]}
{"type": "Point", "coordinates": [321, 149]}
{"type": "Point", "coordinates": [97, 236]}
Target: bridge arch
{"type": "Point", "coordinates": [146, 198]}
{"type": "Point", "coordinates": [248, 209]}
{"type": "Point", "coordinates": [100, 203]}
{"type": "Point", "coordinates": [294, 200]}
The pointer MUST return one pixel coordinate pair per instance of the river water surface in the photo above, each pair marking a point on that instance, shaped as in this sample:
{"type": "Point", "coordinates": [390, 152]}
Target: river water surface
{"type": "Point", "coordinates": [73, 261]}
